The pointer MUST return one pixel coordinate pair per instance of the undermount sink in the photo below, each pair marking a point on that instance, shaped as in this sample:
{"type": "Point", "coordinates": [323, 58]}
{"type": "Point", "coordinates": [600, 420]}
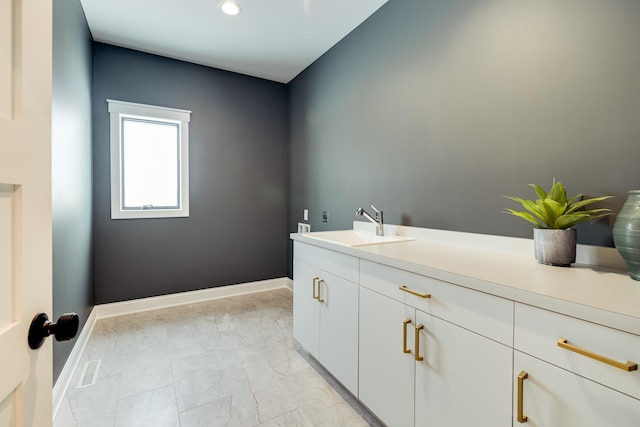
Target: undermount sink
{"type": "Point", "coordinates": [355, 238]}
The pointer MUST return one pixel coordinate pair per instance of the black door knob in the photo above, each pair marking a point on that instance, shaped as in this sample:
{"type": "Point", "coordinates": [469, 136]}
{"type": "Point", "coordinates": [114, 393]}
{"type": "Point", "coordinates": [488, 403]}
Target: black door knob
{"type": "Point", "coordinates": [64, 329]}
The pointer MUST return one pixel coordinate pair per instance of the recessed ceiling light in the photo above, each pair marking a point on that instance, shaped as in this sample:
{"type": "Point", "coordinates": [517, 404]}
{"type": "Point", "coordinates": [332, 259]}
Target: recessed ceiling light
{"type": "Point", "coordinates": [230, 8]}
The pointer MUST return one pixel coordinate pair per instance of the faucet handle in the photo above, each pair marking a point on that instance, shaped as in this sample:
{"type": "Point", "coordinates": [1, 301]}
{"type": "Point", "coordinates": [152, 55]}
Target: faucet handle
{"type": "Point", "coordinates": [374, 208]}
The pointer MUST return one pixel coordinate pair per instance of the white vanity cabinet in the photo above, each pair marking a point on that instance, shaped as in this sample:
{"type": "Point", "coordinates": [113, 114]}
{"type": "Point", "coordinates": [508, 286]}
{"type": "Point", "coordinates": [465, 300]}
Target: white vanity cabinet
{"type": "Point", "coordinates": [569, 372]}
{"type": "Point", "coordinates": [325, 310]}
{"type": "Point", "coordinates": [419, 369]}
{"type": "Point", "coordinates": [475, 347]}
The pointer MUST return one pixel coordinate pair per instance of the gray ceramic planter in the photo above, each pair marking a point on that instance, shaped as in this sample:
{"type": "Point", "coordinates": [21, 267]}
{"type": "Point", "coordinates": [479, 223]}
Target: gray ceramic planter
{"type": "Point", "coordinates": [555, 247]}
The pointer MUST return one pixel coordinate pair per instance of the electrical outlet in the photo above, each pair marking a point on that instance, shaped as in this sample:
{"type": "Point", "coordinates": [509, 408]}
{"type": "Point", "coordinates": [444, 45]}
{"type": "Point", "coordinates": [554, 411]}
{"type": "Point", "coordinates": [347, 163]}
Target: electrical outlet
{"type": "Point", "coordinates": [305, 215]}
{"type": "Point", "coordinates": [325, 216]}
{"type": "Point", "coordinates": [304, 228]}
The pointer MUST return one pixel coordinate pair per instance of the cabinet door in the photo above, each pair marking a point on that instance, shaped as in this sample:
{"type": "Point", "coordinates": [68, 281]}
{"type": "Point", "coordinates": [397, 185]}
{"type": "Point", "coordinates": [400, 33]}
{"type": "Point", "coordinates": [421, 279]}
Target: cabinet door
{"type": "Point", "coordinates": [339, 329]}
{"type": "Point", "coordinates": [553, 397]}
{"type": "Point", "coordinates": [305, 307]}
{"type": "Point", "coordinates": [386, 372]}
{"type": "Point", "coordinates": [463, 379]}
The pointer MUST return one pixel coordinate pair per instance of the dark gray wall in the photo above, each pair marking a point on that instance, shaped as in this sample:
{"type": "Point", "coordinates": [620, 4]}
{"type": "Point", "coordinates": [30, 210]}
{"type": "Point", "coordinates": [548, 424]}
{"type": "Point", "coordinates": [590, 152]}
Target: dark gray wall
{"type": "Point", "coordinates": [71, 152]}
{"type": "Point", "coordinates": [237, 229]}
{"type": "Point", "coordinates": [432, 110]}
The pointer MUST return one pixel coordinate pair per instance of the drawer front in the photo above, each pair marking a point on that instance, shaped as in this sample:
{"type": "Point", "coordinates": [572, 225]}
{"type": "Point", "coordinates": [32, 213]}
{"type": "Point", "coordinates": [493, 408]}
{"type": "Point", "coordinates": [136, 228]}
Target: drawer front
{"type": "Point", "coordinates": [387, 280]}
{"type": "Point", "coordinates": [482, 313]}
{"type": "Point", "coordinates": [537, 333]}
{"type": "Point", "coordinates": [341, 265]}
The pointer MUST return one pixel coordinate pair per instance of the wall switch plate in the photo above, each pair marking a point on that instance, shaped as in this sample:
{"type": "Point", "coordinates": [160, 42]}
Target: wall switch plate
{"type": "Point", "coordinates": [305, 215]}
{"type": "Point", "coordinates": [325, 216]}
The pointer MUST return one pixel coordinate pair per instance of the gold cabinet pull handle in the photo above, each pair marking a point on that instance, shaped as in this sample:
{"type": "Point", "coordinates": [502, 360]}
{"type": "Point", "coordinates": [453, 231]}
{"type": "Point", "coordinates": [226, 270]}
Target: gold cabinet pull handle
{"type": "Point", "coordinates": [404, 336]}
{"type": "Point", "coordinates": [417, 341]}
{"type": "Point", "coordinates": [320, 282]}
{"type": "Point", "coordinates": [412, 292]}
{"type": "Point", "coordinates": [315, 282]}
{"type": "Point", "coordinates": [522, 418]}
{"type": "Point", "coordinates": [625, 366]}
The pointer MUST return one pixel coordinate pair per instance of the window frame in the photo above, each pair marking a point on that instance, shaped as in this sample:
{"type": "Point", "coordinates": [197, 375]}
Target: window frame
{"type": "Point", "coordinates": [121, 109]}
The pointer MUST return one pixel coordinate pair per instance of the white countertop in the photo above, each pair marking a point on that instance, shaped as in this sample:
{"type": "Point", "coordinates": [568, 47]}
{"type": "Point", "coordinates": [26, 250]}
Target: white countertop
{"type": "Point", "coordinates": [603, 295]}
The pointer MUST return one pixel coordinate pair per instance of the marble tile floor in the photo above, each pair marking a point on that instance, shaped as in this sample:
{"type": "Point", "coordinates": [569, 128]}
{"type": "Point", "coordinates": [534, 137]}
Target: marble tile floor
{"type": "Point", "coordinates": [226, 362]}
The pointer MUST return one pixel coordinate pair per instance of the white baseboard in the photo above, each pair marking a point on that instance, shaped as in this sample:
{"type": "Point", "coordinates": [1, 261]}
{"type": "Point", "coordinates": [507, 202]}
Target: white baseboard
{"type": "Point", "coordinates": [102, 311]}
{"type": "Point", "coordinates": [63, 381]}
{"type": "Point", "coordinates": [154, 303]}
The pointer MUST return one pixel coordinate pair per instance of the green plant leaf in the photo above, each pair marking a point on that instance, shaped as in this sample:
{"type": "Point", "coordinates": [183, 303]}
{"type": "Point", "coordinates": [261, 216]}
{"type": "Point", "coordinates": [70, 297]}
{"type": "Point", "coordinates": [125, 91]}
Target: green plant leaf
{"type": "Point", "coordinates": [524, 215]}
{"type": "Point", "coordinates": [541, 212]}
{"type": "Point", "coordinates": [558, 193]}
{"type": "Point", "coordinates": [599, 211]}
{"type": "Point", "coordinates": [568, 221]}
{"type": "Point", "coordinates": [574, 199]}
{"type": "Point", "coordinates": [571, 220]}
{"type": "Point", "coordinates": [539, 191]}
{"type": "Point", "coordinates": [536, 210]}
{"type": "Point", "coordinates": [583, 203]}
{"type": "Point", "coordinates": [527, 204]}
{"type": "Point", "coordinates": [515, 199]}
{"type": "Point", "coordinates": [554, 210]}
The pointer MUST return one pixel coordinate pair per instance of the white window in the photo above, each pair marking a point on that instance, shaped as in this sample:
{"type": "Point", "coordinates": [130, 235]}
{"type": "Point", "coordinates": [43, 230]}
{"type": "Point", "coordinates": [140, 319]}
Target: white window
{"type": "Point", "coordinates": [149, 161]}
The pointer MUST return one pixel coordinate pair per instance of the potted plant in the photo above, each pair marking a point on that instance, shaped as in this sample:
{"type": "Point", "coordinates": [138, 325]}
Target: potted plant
{"type": "Point", "coordinates": [553, 217]}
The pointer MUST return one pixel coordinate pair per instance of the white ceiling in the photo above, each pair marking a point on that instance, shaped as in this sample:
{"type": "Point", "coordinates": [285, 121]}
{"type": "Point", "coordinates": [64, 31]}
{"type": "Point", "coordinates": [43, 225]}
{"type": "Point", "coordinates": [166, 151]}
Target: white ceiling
{"type": "Point", "coordinates": [271, 39]}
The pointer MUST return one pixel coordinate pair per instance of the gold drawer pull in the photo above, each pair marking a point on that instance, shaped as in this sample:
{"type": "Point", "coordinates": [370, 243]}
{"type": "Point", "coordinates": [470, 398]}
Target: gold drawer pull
{"type": "Point", "coordinates": [626, 366]}
{"type": "Point", "coordinates": [404, 336]}
{"type": "Point", "coordinates": [315, 281]}
{"type": "Point", "coordinates": [412, 292]}
{"type": "Point", "coordinates": [320, 282]}
{"type": "Point", "coordinates": [417, 341]}
{"type": "Point", "coordinates": [522, 418]}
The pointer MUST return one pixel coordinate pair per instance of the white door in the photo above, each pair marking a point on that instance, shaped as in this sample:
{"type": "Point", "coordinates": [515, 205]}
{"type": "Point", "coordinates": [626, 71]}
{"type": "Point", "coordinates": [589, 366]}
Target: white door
{"type": "Point", "coordinates": [25, 209]}
{"type": "Point", "coordinates": [463, 379]}
{"type": "Point", "coordinates": [306, 308]}
{"type": "Point", "coordinates": [387, 359]}
{"type": "Point", "coordinates": [339, 329]}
